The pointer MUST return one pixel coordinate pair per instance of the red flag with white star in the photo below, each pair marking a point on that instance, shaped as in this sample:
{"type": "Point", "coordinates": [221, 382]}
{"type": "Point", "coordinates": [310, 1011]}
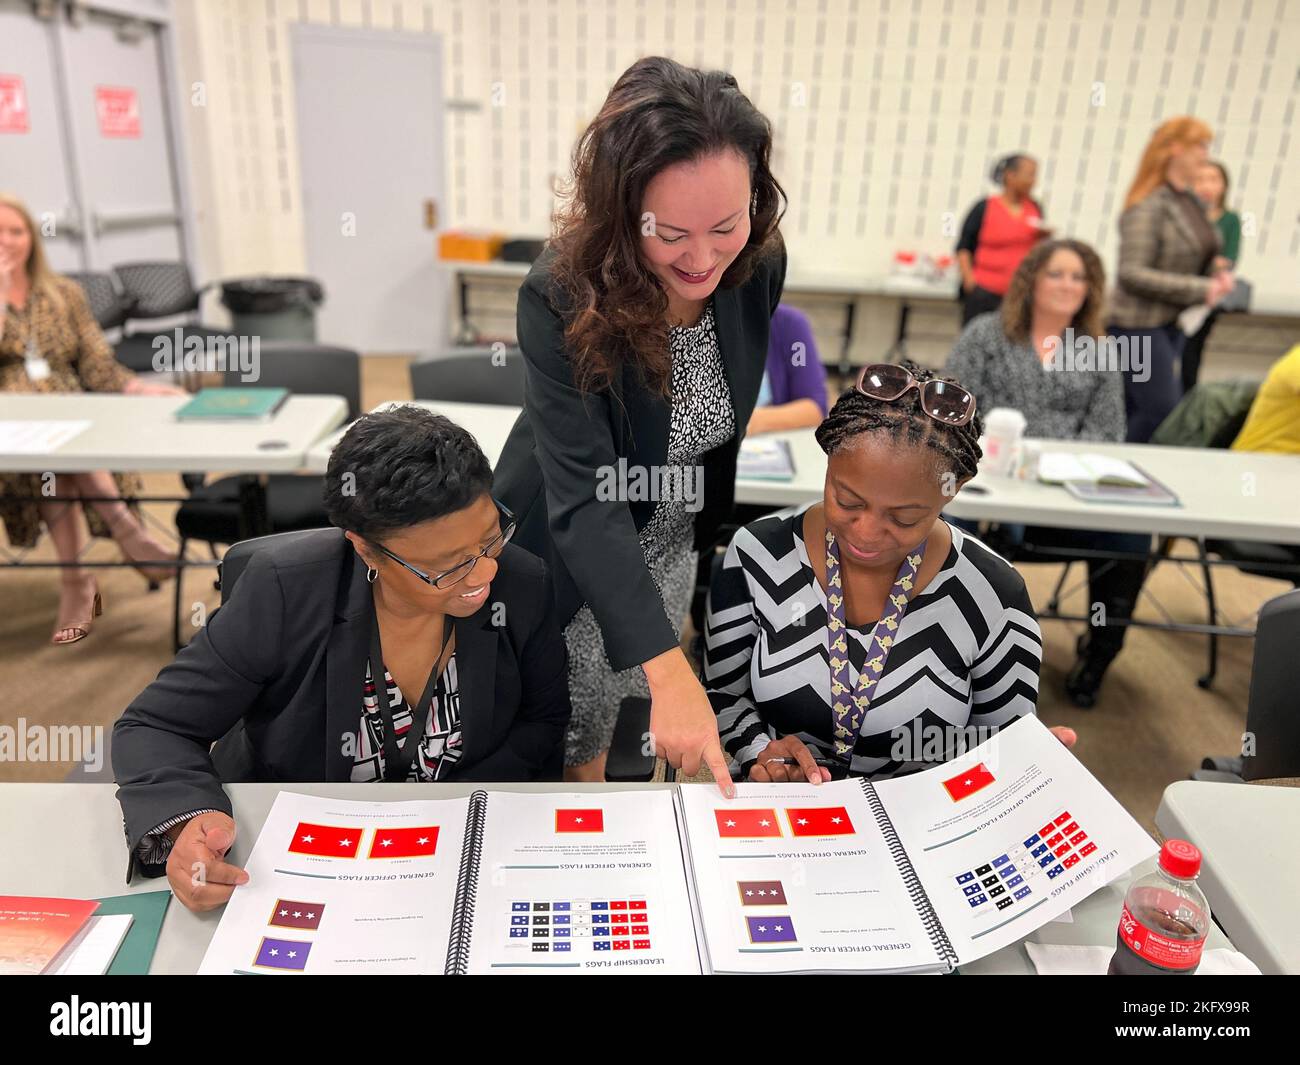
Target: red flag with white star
{"type": "Point", "coordinates": [325, 841]}
{"type": "Point", "coordinates": [746, 824]}
{"type": "Point", "coordinates": [579, 821]}
{"type": "Point", "coordinates": [404, 842]}
{"type": "Point", "coordinates": [969, 782]}
{"type": "Point", "coordinates": [819, 821]}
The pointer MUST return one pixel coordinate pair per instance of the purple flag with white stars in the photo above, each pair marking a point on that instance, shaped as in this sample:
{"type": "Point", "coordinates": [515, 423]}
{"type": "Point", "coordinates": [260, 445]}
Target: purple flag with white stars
{"type": "Point", "coordinates": [770, 930]}
{"type": "Point", "coordinates": [283, 954]}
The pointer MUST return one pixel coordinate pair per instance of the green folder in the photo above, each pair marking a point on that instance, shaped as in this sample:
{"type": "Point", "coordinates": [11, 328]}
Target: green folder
{"type": "Point", "coordinates": [148, 909]}
{"type": "Point", "coordinates": [233, 404]}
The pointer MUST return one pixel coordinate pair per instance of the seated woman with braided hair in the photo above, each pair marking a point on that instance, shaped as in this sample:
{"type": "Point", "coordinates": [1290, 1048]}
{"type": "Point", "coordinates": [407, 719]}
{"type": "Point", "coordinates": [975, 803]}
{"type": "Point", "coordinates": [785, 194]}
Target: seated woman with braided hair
{"type": "Point", "coordinates": [864, 635]}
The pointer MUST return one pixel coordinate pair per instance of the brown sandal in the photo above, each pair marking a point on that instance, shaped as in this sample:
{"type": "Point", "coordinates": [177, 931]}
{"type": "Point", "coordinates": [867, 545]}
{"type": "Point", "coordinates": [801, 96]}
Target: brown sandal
{"type": "Point", "coordinates": [79, 630]}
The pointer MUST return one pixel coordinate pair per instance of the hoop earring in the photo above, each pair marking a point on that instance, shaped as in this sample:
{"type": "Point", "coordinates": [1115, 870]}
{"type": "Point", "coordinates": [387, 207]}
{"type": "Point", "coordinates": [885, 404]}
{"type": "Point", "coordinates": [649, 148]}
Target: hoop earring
{"type": "Point", "coordinates": [371, 575]}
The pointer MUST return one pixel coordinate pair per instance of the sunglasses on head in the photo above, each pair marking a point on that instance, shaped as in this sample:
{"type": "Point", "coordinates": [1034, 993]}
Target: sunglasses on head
{"type": "Point", "coordinates": [945, 402]}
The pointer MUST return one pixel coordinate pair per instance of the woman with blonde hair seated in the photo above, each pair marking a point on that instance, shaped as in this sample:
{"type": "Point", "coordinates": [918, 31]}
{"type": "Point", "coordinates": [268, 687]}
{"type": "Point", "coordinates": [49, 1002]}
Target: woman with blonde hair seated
{"type": "Point", "coordinates": [50, 342]}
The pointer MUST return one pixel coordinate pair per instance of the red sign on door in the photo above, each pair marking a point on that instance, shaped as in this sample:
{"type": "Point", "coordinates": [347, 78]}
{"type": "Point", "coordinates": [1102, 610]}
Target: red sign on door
{"type": "Point", "coordinates": [13, 104]}
{"type": "Point", "coordinates": [118, 110]}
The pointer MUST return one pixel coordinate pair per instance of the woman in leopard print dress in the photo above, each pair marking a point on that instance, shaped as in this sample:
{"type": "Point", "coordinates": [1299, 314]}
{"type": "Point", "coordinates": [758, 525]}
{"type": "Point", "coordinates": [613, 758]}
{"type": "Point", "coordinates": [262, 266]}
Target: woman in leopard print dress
{"type": "Point", "coordinates": [50, 342]}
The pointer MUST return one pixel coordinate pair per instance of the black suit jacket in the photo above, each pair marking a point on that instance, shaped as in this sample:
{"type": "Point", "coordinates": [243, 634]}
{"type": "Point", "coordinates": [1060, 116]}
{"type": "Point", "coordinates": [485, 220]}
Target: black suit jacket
{"type": "Point", "coordinates": [548, 470]}
{"type": "Point", "coordinates": [277, 674]}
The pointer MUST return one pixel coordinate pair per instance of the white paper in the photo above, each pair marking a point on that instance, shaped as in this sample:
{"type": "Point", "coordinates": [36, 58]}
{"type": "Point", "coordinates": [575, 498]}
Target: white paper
{"type": "Point", "coordinates": [1193, 317]}
{"type": "Point", "coordinates": [37, 437]}
{"type": "Point", "coordinates": [840, 903]}
{"type": "Point", "coordinates": [354, 910]}
{"type": "Point", "coordinates": [1010, 790]}
{"type": "Point", "coordinates": [95, 947]}
{"type": "Point", "coordinates": [574, 883]}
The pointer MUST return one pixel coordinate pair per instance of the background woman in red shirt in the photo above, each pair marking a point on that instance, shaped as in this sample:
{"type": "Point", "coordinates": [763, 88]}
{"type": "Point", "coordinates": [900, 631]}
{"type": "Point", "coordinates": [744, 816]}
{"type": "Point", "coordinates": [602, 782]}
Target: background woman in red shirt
{"type": "Point", "coordinates": [997, 233]}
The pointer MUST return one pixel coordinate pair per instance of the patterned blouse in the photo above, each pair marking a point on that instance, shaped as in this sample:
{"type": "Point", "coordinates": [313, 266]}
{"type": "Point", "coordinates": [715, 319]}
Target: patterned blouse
{"type": "Point", "coordinates": [702, 418]}
{"type": "Point", "coordinates": [440, 747]}
{"type": "Point", "coordinates": [65, 334]}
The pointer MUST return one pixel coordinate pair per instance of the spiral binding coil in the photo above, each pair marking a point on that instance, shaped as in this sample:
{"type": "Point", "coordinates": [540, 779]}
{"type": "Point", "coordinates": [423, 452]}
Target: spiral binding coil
{"type": "Point", "coordinates": [938, 937]}
{"type": "Point", "coordinates": [462, 911]}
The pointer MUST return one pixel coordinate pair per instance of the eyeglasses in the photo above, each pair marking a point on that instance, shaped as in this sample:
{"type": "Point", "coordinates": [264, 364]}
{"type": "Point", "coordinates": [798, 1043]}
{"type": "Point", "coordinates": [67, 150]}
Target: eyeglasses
{"type": "Point", "coordinates": [458, 573]}
{"type": "Point", "coordinates": [945, 402]}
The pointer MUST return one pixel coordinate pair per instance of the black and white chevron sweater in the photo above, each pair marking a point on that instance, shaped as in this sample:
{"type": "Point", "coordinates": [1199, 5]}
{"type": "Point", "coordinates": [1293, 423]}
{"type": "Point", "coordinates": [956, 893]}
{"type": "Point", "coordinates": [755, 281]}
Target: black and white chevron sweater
{"type": "Point", "coordinates": [964, 662]}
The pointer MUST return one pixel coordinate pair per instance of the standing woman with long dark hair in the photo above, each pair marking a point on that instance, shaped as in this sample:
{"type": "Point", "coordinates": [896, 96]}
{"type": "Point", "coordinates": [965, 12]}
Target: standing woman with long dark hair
{"type": "Point", "coordinates": [644, 328]}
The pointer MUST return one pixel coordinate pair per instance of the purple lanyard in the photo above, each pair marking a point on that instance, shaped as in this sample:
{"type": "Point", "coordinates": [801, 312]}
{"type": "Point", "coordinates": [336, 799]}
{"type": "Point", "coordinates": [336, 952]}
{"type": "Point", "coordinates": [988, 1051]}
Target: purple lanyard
{"type": "Point", "coordinates": [848, 705]}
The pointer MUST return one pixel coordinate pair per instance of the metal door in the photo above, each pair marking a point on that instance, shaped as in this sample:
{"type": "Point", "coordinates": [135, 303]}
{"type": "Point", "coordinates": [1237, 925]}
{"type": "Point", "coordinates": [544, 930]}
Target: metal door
{"type": "Point", "coordinates": [369, 123]}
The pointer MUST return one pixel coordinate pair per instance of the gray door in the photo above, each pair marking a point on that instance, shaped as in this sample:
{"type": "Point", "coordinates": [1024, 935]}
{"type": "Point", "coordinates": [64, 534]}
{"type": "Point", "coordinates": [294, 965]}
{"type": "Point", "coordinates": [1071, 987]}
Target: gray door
{"type": "Point", "coordinates": [99, 157]}
{"type": "Point", "coordinates": [34, 159]}
{"type": "Point", "coordinates": [370, 142]}
{"type": "Point", "coordinates": [116, 100]}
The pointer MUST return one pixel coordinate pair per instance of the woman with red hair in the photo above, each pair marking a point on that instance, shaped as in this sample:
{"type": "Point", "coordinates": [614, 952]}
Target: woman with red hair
{"type": "Point", "coordinates": [1167, 250]}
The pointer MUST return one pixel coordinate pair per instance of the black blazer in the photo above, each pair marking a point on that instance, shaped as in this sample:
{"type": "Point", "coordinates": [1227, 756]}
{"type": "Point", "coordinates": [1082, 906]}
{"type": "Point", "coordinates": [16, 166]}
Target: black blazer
{"type": "Point", "coordinates": [285, 661]}
{"type": "Point", "coordinates": [548, 470]}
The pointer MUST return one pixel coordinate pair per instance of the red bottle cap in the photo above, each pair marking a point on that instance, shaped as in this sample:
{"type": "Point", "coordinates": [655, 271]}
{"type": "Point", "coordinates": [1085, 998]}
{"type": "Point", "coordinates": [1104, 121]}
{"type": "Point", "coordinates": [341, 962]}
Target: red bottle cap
{"type": "Point", "coordinates": [1179, 858]}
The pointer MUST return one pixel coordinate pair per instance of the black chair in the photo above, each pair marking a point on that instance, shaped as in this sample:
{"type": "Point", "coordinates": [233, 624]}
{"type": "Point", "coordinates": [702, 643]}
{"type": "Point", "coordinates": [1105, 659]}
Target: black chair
{"type": "Point", "coordinates": [214, 513]}
{"type": "Point", "coordinates": [110, 306]}
{"type": "Point", "coordinates": [472, 375]}
{"type": "Point", "coordinates": [1272, 714]}
{"type": "Point", "coordinates": [159, 290]}
{"type": "Point", "coordinates": [627, 760]}
{"type": "Point", "coordinates": [236, 559]}
{"type": "Point", "coordinates": [232, 564]}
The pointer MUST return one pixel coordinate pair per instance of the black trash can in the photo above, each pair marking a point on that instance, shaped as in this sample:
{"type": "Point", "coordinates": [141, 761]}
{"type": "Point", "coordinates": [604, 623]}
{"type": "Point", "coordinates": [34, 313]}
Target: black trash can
{"type": "Point", "coordinates": [273, 308]}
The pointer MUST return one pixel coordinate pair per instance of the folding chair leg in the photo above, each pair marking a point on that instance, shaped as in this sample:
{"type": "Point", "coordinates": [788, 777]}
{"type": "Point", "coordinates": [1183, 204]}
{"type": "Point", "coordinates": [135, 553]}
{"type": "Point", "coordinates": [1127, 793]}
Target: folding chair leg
{"type": "Point", "coordinates": [1054, 604]}
{"type": "Point", "coordinates": [1212, 648]}
{"type": "Point", "coordinates": [176, 602]}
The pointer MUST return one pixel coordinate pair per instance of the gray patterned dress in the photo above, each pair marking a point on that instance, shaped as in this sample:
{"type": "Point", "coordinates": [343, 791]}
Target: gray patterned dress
{"type": "Point", "coordinates": [702, 418]}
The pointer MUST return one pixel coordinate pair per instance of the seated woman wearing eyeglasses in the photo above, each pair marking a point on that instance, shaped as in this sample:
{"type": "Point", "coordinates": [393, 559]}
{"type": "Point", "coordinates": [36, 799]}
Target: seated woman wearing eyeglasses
{"type": "Point", "coordinates": [417, 585]}
{"type": "Point", "coordinates": [864, 635]}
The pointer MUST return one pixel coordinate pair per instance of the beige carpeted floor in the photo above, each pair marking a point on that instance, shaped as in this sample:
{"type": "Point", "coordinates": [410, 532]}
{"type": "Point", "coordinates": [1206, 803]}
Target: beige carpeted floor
{"type": "Point", "coordinates": [1152, 726]}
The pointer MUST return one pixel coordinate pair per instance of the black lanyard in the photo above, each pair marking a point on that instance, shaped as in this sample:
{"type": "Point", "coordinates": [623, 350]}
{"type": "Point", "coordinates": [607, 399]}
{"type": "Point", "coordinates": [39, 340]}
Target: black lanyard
{"type": "Point", "coordinates": [398, 763]}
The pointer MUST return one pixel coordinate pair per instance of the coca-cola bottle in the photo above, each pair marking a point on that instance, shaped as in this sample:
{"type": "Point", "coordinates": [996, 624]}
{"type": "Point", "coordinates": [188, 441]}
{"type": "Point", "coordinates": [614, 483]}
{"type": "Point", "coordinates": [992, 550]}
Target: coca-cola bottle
{"type": "Point", "coordinates": [1165, 919]}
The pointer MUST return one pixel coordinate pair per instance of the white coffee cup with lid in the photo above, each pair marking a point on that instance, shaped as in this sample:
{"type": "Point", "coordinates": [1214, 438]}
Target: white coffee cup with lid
{"type": "Point", "coordinates": [1004, 431]}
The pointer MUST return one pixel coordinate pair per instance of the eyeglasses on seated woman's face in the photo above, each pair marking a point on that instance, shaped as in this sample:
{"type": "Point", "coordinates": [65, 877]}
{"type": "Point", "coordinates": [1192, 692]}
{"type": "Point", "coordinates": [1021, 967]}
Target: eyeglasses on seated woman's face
{"type": "Point", "coordinates": [451, 577]}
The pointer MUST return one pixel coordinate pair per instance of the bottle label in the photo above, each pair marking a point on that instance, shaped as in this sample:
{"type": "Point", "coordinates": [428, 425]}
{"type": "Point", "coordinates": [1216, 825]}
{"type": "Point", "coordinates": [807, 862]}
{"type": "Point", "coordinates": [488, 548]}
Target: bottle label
{"type": "Point", "coordinates": [1156, 948]}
